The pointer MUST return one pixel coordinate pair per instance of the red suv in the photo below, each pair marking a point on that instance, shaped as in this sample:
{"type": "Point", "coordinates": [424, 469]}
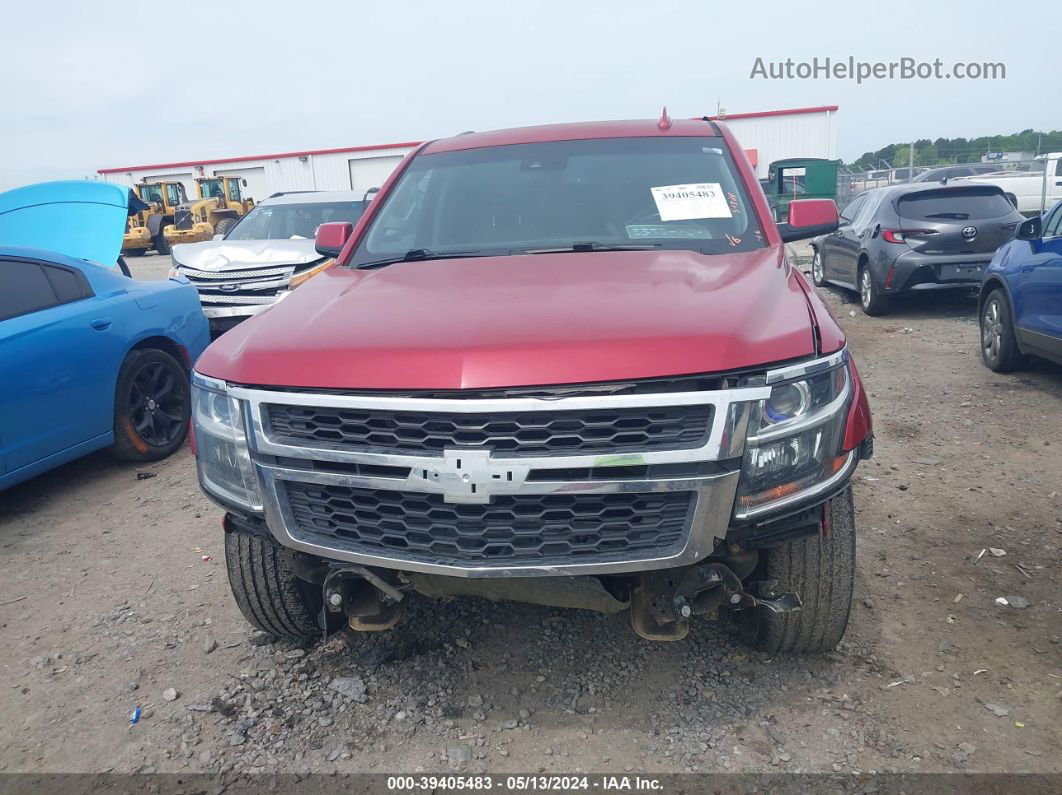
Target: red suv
{"type": "Point", "coordinates": [568, 365]}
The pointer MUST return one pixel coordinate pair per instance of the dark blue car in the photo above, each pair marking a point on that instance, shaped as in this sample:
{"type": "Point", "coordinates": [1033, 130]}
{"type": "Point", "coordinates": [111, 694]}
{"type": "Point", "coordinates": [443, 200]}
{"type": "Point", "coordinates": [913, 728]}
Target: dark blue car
{"type": "Point", "coordinates": [89, 357]}
{"type": "Point", "coordinates": [1021, 296]}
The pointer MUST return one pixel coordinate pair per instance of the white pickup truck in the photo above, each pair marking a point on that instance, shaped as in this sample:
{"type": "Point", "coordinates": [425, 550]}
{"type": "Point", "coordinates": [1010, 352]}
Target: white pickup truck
{"type": "Point", "coordinates": [1032, 192]}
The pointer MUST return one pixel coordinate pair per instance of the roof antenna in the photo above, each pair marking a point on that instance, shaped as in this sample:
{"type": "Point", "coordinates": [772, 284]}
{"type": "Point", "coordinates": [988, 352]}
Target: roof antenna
{"type": "Point", "coordinates": [665, 121]}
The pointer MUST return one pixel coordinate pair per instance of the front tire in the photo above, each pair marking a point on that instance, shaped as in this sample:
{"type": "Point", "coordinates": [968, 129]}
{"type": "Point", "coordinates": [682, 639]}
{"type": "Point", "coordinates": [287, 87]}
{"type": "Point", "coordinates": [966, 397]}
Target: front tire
{"type": "Point", "coordinates": [224, 225]}
{"type": "Point", "coordinates": [818, 269]}
{"type": "Point", "coordinates": [872, 301]}
{"type": "Point", "coordinates": [999, 345]}
{"type": "Point", "coordinates": [821, 570]}
{"type": "Point", "coordinates": [152, 406]}
{"type": "Point", "coordinates": [160, 244]}
{"type": "Point", "coordinates": [267, 591]}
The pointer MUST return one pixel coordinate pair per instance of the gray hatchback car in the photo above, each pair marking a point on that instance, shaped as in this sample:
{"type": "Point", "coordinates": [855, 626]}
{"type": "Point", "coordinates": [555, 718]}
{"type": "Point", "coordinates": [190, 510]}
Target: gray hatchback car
{"type": "Point", "coordinates": [921, 236]}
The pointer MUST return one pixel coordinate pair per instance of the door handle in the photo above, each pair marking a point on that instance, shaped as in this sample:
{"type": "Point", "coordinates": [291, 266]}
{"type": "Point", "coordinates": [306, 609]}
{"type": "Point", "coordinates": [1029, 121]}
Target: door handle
{"type": "Point", "coordinates": [101, 323]}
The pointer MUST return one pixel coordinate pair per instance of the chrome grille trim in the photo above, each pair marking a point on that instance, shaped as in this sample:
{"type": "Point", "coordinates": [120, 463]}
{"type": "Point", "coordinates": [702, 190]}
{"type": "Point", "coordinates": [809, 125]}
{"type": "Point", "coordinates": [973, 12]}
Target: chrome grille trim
{"type": "Point", "coordinates": [235, 275]}
{"type": "Point", "coordinates": [432, 473]}
{"type": "Point", "coordinates": [236, 298]}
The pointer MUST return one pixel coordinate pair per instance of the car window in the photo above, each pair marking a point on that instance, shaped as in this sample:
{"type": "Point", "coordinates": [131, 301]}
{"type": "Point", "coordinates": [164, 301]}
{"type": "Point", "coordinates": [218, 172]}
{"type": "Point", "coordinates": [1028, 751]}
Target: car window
{"type": "Point", "coordinates": [955, 205]}
{"type": "Point", "coordinates": [1053, 227]}
{"type": "Point", "coordinates": [24, 288]}
{"type": "Point", "coordinates": [286, 221]}
{"type": "Point", "coordinates": [67, 284]}
{"type": "Point", "coordinates": [853, 207]}
{"type": "Point", "coordinates": [865, 215]}
{"type": "Point", "coordinates": [662, 192]}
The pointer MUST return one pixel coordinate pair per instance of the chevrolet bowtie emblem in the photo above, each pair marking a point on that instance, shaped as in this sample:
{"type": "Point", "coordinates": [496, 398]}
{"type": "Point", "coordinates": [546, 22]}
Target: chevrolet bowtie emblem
{"type": "Point", "coordinates": [470, 476]}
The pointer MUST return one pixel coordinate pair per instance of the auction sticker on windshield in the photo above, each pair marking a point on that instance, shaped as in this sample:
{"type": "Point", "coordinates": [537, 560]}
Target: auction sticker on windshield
{"type": "Point", "coordinates": [686, 202]}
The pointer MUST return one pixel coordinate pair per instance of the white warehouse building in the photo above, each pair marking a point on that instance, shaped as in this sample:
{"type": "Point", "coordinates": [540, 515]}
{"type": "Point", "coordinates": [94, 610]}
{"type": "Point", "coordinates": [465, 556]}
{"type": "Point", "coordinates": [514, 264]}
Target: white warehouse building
{"type": "Point", "coordinates": [765, 135]}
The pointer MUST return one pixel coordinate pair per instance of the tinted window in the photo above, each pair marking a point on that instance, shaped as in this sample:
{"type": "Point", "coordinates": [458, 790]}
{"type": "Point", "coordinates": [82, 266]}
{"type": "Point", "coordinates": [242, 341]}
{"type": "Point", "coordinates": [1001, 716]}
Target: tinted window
{"type": "Point", "coordinates": [1053, 227]}
{"type": "Point", "coordinates": [955, 205]}
{"type": "Point", "coordinates": [67, 284]}
{"type": "Point", "coordinates": [23, 288]}
{"type": "Point", "coordinates": [849, 212]}
{"type": "Point", "coordinates": [665, 192]}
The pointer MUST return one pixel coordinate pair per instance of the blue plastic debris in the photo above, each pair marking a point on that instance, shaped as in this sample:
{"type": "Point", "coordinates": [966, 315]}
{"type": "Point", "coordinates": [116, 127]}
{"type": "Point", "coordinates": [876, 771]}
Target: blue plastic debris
{"type": "Point", "coordinates": [134, 718]}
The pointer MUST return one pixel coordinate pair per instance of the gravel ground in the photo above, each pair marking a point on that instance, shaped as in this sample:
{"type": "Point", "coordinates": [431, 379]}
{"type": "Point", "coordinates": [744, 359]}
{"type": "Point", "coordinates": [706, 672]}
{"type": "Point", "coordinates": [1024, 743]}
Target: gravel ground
{"type": "Point", "coordinates": [113, 596]}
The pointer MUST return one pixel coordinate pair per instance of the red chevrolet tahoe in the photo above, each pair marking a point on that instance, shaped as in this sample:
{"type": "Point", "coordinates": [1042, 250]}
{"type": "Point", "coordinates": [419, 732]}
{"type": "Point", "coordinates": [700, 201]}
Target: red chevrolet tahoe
{"type": "Point", "coordinates": [568, 365]}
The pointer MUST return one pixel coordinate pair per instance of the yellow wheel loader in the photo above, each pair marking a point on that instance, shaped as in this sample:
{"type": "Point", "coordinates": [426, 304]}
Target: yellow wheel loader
{"type": "Point", "coordinates": [217, 208]}
{"type": "Point", "coordinates": [145, 229]}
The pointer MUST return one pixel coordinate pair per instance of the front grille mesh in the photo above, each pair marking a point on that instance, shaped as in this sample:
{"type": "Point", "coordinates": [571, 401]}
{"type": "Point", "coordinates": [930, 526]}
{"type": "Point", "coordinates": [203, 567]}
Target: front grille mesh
{"type": "Point", "coordinates": [511, 433]}
{"type": "Point", "coordinates": [519, 528]}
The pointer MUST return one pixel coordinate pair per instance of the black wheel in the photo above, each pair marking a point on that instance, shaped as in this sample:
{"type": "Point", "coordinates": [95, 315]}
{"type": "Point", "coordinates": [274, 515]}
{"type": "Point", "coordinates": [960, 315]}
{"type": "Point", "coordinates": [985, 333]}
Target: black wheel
{"type": "Point", "coordinates": [821, 570]}
{"type": "Point", "coordinates": [224, 225]}
{"type": "Point", "coordinates": [135, 252]}
{"type": "Point", "coordinates": [872, 301]}
{"type": "Point", "coordinates": [999, 346]}
{"type": "Point", "coordinates": [152, 406]}
{"type": "Point", "coordinates": [818, 269]}
{"type": "Point", "coordinates": [267, 591]}
{"type": "Point", "coordinates": [160, 244]}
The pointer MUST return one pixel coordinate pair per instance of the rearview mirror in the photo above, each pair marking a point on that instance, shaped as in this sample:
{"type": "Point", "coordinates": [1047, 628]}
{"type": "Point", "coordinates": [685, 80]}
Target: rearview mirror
{"type": "Point", "coordinates": [332, 237]}
{"type": "Point", "coordinates": [809, 218]}
{"type": "Point", "coordinates": [1033, 229]}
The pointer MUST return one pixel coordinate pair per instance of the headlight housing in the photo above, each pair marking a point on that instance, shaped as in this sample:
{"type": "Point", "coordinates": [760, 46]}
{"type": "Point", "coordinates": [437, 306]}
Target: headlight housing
{"type": "Point", "coordinates": [794, 440]}
{"type": "Point", "coordinates": [223, 460]}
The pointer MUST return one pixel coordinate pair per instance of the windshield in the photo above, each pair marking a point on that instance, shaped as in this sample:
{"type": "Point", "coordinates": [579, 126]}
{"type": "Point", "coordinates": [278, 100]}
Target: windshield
{"type": "Point", "coordinates": [285, 221]}
{"type": "Point", "coordinates": [666, 192]}
{"type": "Point", "coordinates": [151, 193]}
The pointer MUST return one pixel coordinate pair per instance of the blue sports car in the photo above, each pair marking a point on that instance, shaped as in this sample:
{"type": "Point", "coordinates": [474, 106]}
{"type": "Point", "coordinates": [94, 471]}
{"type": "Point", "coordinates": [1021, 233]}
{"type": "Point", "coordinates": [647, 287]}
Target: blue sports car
{"type": "Point", "coordinates": [89, 357]}
{"type": "Point", "coordinates": [1021, 296]}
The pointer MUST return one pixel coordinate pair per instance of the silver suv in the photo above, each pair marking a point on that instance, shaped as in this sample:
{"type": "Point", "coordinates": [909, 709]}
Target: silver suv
{"type": "Point", "coordinates": [264, 256]}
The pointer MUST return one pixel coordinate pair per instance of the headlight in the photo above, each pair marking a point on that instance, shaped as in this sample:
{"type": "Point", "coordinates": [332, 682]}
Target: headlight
{"type": "Point", "coordinates": [222, 458]}
{"type": "Point", "coordinates": [299, 278]}
{"type": "Point", "coordinates": [794, 440]}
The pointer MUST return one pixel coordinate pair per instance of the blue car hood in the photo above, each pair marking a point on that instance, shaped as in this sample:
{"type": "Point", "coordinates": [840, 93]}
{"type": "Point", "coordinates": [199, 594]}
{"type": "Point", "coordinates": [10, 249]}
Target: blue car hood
{"type": "Point", "coordinates": [81, 219]}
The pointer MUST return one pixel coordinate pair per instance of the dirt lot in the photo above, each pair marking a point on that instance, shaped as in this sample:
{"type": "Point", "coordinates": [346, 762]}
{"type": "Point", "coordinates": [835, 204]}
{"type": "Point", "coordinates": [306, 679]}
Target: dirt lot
{"type": "Point", "coordinates": [114, 595]}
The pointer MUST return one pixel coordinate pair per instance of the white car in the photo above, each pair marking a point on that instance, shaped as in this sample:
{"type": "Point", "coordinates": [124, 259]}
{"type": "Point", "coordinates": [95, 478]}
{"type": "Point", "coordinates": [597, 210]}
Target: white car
{"type": "Point", "coordinates": [1032, 192]}
{"type": "Point", "coordinates": [266, 255]}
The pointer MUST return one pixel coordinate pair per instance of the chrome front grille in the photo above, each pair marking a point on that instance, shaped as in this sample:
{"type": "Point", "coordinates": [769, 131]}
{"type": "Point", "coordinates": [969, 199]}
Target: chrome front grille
{"type": "Point", "coordinates": [239, 288]}
{"type": "Point", "coordinates": [500, 486]}
{"type": "Point", "coordinates": [530, 433]}
{"type": "Point", "coordinates": [524, 529]}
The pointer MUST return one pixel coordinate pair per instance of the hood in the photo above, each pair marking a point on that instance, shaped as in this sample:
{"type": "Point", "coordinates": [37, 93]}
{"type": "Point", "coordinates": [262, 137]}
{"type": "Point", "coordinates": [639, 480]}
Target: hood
{"type": "Point", "coordinates": [83, 220]}
{"type": "Point", "coordinates": [227, 255]}
{"type": "Point", "coordinates": [523, 320]}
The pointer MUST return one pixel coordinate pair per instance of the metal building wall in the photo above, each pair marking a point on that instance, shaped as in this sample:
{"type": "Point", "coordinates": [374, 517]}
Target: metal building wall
{"type": "Point", "coordinates": [310, 171]}
{"type": "Point", "coordinates": [777, 136]}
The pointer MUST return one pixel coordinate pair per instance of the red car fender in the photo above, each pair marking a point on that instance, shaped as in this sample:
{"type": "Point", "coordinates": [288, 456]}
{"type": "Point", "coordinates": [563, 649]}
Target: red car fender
{"type": "Point", "coordinates": [859, 425]}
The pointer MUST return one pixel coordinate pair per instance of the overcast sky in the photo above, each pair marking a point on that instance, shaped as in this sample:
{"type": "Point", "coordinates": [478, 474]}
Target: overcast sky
{"type": "Point", "coordinates": [87, 85]}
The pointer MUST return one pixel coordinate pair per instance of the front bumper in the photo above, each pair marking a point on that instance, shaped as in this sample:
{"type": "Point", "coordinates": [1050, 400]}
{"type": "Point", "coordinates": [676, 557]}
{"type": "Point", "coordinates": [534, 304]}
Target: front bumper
{"type": "Point", "coordinates": [452, 486]}
{"type": "Point", "coordinates": [914, 271]}
{"type": "Point", "coordinates": [236, 312]}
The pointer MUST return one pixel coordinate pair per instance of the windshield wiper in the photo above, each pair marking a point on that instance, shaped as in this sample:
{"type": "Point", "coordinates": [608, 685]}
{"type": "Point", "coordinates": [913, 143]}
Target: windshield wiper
{"type": "Point", "coordinates": [591, 245]}
{"type": "Point", "coordinates": [423, 254]}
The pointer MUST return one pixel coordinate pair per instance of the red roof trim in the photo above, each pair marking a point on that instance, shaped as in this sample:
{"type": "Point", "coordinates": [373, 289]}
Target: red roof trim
{"type": "Point", "coordinates": [245, 158]}
{"type": "Point", "coordinates": [784, 112]}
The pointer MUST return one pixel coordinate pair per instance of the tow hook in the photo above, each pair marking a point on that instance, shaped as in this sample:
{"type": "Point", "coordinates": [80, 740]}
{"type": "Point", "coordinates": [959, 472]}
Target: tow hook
{"type": "Point", "coordinates": [370, 603]}
{"type": "Point", "coordinates": [664, 601]}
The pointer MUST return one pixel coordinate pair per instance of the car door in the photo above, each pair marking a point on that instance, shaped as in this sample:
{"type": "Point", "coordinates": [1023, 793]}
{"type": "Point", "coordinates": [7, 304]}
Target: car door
{"type": "Point", "coordinates": [1038, 297]}
{"type": "Point", "coordinates": [58, 355]}
{"type": "Point", "coordinates": [836, 247]}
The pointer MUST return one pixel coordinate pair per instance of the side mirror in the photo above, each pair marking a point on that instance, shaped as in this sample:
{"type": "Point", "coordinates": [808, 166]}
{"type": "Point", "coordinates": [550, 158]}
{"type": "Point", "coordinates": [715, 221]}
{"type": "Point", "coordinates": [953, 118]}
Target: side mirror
{"type": "Point", "coordinates": [1033, 229]}
{"type": "Point", "coordinates": [331, 238]}
{"type": "Point", "coordinates": [243, 182]}
{"type": "Point", "coordinates": [809, 218]}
